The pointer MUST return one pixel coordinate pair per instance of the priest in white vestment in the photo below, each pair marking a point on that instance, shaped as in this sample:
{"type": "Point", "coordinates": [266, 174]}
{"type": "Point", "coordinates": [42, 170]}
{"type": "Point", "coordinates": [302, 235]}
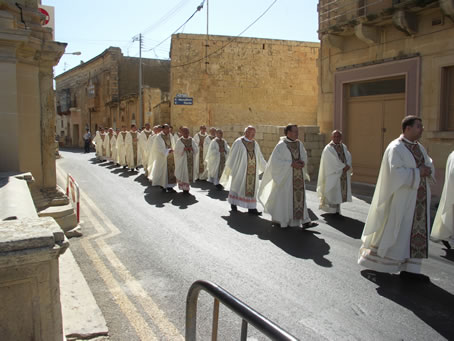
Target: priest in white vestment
{"type": "Point", "coordinates": [199, 139]}
{"type": "Point", "coordinates": [143, 151]}
{"type": "Point", "coordinates": [110, 137]}
{"type": "Point", "coordinates": [97, 141]}
{"type": "Point", "coordinates": [241, 173]}
{"type": "Point", "coordinates": [150, 160]}
{"type": "Point", "coordinates": [121, 147]}
{"type": "Point", "coordinates": [334, 176]}
{"type": "Point", "coordinates": [396, 233]}
{"type": "Point", "coordinates": [186, 161]}
{"type": "Point", "coordinates": [206, 145]}
{"type": "Point", "coordinates": [163, 171]}
{"type": "Point", "coordinates": [132, 148]}
{"type": "Point", "coordinates": [282, 191]}
{"type": "Point", "coordinates": [443, 227]}
{"type": "Point", "coordinates": [216, 157]}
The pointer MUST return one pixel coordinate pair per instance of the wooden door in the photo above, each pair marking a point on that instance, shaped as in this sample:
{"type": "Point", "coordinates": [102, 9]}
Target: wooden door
{"type": "Point", "coordinates": [372, 122]}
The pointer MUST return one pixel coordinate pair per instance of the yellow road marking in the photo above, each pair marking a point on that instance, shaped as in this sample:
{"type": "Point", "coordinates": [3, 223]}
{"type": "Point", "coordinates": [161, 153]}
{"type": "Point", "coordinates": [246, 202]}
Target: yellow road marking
{"type": "Point", "coordinates": [150, 307]}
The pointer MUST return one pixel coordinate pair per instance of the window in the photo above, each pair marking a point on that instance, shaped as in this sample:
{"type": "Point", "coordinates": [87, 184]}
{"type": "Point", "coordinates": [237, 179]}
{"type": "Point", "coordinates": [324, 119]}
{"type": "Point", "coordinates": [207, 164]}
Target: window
{"type": "Point", "coordinates": [447, 99]}
{"type": "Point", "coordinates": [378, 87]}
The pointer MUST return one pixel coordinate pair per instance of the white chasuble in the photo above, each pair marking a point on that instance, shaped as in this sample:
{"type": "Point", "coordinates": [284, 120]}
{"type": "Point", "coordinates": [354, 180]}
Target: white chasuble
{"type": "Point", "coordinates": [396, 230]}
{"type": "Point", "coordinates": [113, 148]}
{"type": "Point", "coordinates": [150, 156]}
{"type": "Point", "coordinates": [282, 191]}
{"type": "Point", "coordinates": [97, 141]}
{"type": "Point", "coordinates": [443, 227]}
{"type": "Point", "coordinates": [121, 148]}
{"type": "Point", "coordinates": [144, 136]}
{"type": "Point", "coordinates": [108, 146]}
{"type": "Point", "coordinates": [163, 170]}
{"type": "Point", "coordinates": [186, 162]}
{"type": "Point", "coordinates": [241, 173]}
{"type": "Point", "coordinates": [206, 145]}
{"type": "Point", "coordinates": [199, 140]}
{"type": "Point", "coordinates": [216, 157]}
{"type": "Point", "coordinates": [334, 185]}
{"type": "Point", "coordinates": [132, 152]}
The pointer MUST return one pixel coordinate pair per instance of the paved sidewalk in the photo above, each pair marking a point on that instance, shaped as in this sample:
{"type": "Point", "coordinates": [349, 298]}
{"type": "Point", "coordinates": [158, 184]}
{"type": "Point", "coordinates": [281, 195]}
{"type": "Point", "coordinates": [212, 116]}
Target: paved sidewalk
{"type": "Point", "coordinates": [82, 318]}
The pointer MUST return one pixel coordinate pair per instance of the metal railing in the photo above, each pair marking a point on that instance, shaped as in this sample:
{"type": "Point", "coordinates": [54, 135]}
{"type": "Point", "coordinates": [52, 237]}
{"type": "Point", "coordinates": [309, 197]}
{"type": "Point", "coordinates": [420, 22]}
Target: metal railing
{"type": "Point", "coordinates": [248, 315]}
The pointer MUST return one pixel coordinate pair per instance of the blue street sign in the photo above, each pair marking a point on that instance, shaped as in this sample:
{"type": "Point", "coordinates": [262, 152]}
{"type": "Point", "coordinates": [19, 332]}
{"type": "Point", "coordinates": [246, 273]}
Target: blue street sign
{"type": "Point", "coordinates": [183, 101]}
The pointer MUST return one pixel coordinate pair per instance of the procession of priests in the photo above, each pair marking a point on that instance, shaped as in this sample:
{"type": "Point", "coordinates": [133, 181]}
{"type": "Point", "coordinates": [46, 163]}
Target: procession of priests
{"type": "Point", "coordinates": [397, 230]}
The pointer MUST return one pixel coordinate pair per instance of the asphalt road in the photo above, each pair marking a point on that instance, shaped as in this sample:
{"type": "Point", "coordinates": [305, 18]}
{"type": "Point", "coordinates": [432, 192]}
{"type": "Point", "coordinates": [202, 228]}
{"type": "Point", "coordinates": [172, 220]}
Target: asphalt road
{"type": "Point", "coordinates": [142, 249]}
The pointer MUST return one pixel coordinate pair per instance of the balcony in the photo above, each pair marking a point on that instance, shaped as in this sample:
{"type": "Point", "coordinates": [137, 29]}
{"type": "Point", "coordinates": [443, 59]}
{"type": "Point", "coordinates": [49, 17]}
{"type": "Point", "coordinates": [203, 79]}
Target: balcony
{"type": "Point", "coordinates": [342, 16]}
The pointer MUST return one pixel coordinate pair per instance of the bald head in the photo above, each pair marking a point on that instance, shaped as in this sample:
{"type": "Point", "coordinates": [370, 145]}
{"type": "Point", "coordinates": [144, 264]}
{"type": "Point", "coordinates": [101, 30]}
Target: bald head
{"type": "Point", "coordinates": [249, 132]}
{"type": "Point", "coordinates": [336, 136]}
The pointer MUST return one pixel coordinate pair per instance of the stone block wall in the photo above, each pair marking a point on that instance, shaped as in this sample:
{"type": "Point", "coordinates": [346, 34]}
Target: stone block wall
{"type": "Point", "coordinates": [248, 81]}
{"type": "Point", "coordinates": [268, 136]}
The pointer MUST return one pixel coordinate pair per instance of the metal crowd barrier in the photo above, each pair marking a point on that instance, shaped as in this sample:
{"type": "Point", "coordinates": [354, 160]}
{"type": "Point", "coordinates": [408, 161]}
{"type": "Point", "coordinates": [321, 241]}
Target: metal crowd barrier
{"type": "Point", "coordinates": [248, 315]}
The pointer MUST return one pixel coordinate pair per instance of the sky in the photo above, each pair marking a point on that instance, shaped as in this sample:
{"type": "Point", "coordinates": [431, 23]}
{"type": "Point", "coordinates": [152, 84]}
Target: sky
{"type": "Point", "coordinates": [90, 27]}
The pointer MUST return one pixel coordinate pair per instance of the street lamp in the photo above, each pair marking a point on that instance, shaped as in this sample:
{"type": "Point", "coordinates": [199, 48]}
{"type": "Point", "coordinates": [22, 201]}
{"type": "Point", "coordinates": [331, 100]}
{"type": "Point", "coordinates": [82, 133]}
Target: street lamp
{"type": "Point", "coordinates": [77, 53]}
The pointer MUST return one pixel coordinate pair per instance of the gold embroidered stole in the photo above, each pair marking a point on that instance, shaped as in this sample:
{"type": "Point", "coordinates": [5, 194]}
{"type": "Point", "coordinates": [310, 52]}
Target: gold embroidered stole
{"type": "Point", "coordinates": [298, 181]}
{"type": "Point", "coordinates": [134, 146]}
{"type": "Point", "coordinates": [343, 179]}
{"type": "Point", "coordinates": [171, 179]}
{"type": "Point", "coordinates": [201, 163]}
{"type": "Point", "coordinates": [189, 157]}
{"type": "Point", "coordinates": [419, 240]}
{"type": "Point", "coordinates": [102, 145]}
{"type": "Point", "coordinates": [221, 144]}
{"type": "Point", "coordinates": [251, 168]}
{"type": "Point", "coordinates": [110, 144]}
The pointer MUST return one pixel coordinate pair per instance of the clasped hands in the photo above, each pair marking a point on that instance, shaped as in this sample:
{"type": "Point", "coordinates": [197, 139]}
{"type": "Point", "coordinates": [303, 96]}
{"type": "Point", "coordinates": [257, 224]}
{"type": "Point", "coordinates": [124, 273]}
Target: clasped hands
{"type": "Point", "coordinates": [298, 164]}
{"type": "Point", "coordinates": [425, 171]}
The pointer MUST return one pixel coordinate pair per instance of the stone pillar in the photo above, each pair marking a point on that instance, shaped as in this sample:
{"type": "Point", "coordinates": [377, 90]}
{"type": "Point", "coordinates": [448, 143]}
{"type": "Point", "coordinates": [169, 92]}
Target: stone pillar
{"type": "Point", "coordinates": [29, 279]}
{"type": "Point", "coordinates": [27, 112]}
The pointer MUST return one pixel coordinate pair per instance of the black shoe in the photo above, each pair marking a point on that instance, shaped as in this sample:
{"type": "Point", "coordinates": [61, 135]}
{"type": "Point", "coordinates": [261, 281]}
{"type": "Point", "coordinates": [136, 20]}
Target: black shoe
{"type": "Point", "coordinates": [446, 244]}
{"type": "Point", "coordinates": [164, 189]}
{"type": "Point", "coordinates": [254, 211]}
{"type": "Point", "coordinates": [405, 275]}
{"type": "Point", "coordinates": [171, 190]}
{"type": "Point", "coordinates": [234, 208]}
{"type": "Point", "coordinates": [124, 167]}
{"type": "Point", "coordinates": [219, 187]}
{"type": "Point", "coordinates": [309, 225]}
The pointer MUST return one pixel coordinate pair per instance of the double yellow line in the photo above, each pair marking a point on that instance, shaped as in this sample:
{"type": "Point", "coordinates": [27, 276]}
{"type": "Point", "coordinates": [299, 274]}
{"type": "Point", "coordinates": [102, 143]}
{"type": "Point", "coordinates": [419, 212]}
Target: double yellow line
{"type": "Point", "coordinates": [106, 229]}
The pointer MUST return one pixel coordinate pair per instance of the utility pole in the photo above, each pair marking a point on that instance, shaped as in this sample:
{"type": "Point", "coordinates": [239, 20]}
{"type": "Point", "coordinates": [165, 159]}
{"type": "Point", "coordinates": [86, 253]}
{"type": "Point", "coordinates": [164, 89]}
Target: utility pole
{"type": "Point", "coordinates": [206, 44]}
{"type": "Point", "coordinates": [140, 83]}
{"type": "Point", "coordinates": [140, 119]}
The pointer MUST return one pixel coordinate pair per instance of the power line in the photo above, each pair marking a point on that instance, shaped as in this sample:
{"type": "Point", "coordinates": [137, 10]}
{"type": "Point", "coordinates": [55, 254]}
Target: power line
{"type": "Point", "coordinates": [178, 7]}
{"type": "Point", "coordinates": [198, 9]}
{"type": "Point", "coordinates": [231, 41]}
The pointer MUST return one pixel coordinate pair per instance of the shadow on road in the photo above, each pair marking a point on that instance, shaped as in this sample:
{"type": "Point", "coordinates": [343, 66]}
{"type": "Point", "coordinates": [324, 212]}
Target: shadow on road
{"type": "Point", "coordinates": [348, 226]}
{"type": "Point", "coordinates": [449, 254]}
{"type": "Point", "coordinates": [212, 191]}
{"type": "Point", "coordinates": [156, 197]}
{"type": "Point", "coordinates": [296, 242]}
{"type": "Point", "coordinates": [127, 173]}
{"type": "Point", "coordinates": [143, 180]}
{"type": "Point", "coordinates": [430, 303]}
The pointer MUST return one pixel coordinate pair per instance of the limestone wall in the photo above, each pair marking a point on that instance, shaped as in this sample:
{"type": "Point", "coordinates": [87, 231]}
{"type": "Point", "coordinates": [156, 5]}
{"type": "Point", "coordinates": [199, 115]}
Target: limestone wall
{"type": "Point", "coordinates": [247, 81]}
{"type": "Point", "coordinates": [268, 136]}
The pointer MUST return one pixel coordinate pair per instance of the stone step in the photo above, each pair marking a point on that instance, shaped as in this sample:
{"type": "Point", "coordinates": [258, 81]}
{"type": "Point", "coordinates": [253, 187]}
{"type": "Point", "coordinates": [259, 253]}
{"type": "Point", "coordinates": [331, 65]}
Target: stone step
{"type": "Point", "coordinates": [57, 211]}
{"type": "Point", "coordinates": [68, 222]}
{"type": "Point", "coordinates": [60, 201]}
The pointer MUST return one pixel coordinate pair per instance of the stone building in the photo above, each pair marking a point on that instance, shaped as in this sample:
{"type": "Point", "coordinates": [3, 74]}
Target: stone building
{"type": "Point", "coordinates": [380, 61]}
{"type": "Point", "coordinates": [223, 80]}
{"type": "Point", "coordinates": [27, 110]}
{"type": "Point", "coordinates": [103, 92]}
